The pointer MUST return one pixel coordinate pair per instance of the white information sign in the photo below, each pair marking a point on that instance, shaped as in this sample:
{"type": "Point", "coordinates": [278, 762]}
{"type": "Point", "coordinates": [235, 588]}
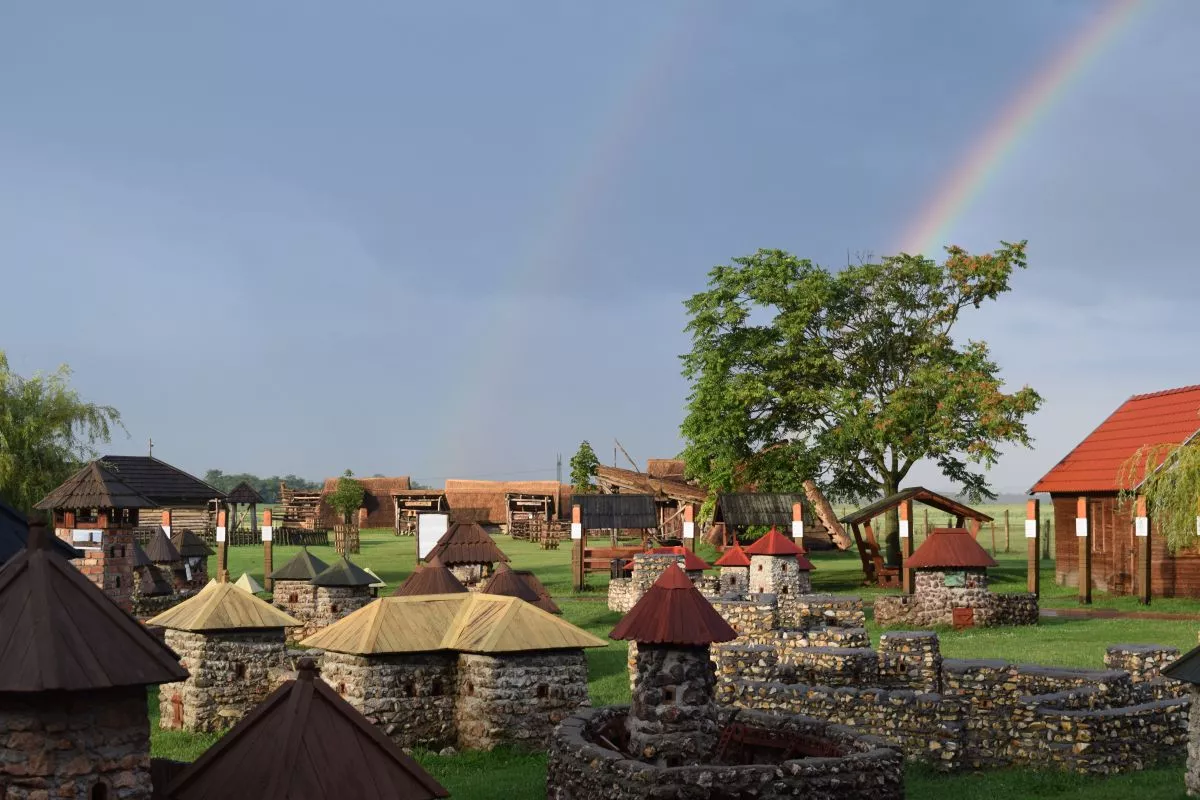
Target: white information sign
{"type": "Point", "coordinates": [1141, 526]}
{"type": "Point", "coordinates": [1198, 526]}
{"type": "Point", "coordinates": [266, 533]}
{"type": "Point", "coordinates": [430, 528]}
{"type": "Point", "coordinates": [797, 529]}
{"type": "Point", "coordinates": [576, 530]}
{"type": "Point", "coordinates": [220, 534]}
{"type": "Point", "coordinates": [81, 536]}
{"type": "Point", "coordinates": [1031, 529]}
{"type": "Point", "coordinates": [689, 530]}
{"type": "Point", "coordinates": [1081, 526]}
{"type": "Point", "coordinates": [903, 529]}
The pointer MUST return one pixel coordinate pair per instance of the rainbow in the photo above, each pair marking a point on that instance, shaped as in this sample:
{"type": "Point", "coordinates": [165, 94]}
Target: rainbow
{"type": "Point", "coordinates": [988, 154]}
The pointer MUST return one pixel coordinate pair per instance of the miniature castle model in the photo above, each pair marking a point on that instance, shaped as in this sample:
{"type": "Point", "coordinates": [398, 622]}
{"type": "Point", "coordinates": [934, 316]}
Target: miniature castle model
{"type": "Point", "coordinates": [233, 646]}
{"type": "Point", "coordinates": [469, 552]}
{"type": "Point", "coordinates": [293, 591]}
{"type": "Point", "coordinates": [778, 566]}
{"type": "Point", "coordinates": [471, 670]}
{"type": "Point", "coordinates": [73, 675]}
{"type": "Point", "coordinates": [950, 570]}
{"type": "Point", "coordinates": [152, 591]}
{"type": "Point", "coordinates": [319, 594]}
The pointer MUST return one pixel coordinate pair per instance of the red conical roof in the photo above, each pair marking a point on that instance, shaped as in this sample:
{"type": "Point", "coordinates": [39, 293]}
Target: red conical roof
{"type": "Point", "coordinates": [734, 557]}
{"type": "Point", "coordinates": [953, 548]}
{"type": "Point", "coordinates": [672, 611]}
{"type": "Point", "coordinates": [774, 543]}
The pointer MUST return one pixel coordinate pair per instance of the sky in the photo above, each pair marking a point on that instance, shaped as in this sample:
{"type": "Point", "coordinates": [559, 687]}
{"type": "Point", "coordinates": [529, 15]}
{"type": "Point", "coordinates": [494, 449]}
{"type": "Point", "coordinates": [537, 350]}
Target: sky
{"type": "Point", "coordinates": [453, 239]}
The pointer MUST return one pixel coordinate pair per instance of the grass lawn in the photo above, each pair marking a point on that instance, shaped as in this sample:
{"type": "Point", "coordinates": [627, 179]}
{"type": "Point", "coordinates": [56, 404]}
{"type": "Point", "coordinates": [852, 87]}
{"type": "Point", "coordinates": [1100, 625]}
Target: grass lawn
{"type": "Point", "coordinates": [517, 776]}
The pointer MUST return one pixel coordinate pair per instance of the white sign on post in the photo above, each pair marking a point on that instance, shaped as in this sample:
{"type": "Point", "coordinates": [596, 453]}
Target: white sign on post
{"type": "Point", "coordinates": [689, 530]}
{"type": "Point", "coordinates": [903, 529]}
{"type": "Point", "coordinates": [266, 533]}
{"type": "Point", "coordinates": [1031, 529]}
{"type": "Point", "coordinates": [220, 534]}
{"type": "Point", "coordinates": [576, 530]}
{"type": "Point", "coordinates": [430, 528]}
{"type": "Point", "coordinates": [1081, 526]}
{"type": "Point", "coordinates": [797, 529]}
{"type": "Point", "coordinates": [1141, 526]}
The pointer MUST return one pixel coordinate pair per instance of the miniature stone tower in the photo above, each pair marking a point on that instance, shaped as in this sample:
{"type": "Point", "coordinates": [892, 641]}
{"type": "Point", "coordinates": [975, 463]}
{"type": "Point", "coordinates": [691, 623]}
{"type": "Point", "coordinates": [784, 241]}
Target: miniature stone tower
{"type": "Point", "coordinates": [673, 718]}
{"type": "Point", "coordinates": [735, 571]}
{"type": "Point", "coordinates": [778, 567]}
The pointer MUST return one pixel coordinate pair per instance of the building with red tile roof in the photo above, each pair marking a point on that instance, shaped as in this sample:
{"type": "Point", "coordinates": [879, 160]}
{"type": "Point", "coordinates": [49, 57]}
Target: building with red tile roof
{"type": "Point", "coordinates": [673, 612]}
{"type": "Point", "coordinates": [950, 548]}
{"type": "Point", "coordinates": [1096, 470]}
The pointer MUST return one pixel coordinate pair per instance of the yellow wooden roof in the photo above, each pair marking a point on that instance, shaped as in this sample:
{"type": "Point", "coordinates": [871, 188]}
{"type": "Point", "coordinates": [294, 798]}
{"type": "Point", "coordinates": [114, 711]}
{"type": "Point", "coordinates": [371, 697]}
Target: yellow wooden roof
{"type": "Point", "coordinates": [470, 623]}
{"type": "Point", "coordinates": [223, 606]}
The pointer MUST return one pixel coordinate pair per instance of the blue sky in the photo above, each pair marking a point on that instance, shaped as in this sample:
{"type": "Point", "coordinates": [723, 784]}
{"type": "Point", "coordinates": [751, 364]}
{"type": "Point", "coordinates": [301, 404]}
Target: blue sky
{"type": "Point", "coordinates": [453, 239]}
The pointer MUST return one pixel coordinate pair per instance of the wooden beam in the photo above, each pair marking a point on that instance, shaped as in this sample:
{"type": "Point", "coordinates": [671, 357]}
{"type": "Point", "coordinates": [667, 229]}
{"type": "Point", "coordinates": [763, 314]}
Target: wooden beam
{"type": "Point", "coordinates": [1083, 534]}
{"type": "Point", "coordinates": [1033, 535]}
{"type": "Point", "coordinates": [906, 546]}
{"type": "Point", "coordinates": [1141, 532]}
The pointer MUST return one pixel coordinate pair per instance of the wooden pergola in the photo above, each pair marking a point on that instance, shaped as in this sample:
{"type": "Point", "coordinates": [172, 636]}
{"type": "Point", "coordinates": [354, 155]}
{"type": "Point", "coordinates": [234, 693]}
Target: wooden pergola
{"type": "Point", "coordinates": [875, 570]}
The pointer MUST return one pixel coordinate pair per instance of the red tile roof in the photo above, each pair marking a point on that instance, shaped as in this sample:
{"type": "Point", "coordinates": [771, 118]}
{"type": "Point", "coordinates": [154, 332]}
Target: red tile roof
{"type": "Point", "coordinates": [1095, 465]}
{"type": "Point", "coordinates": [950, 548]}
{"type": "Point", "coordinates": [774, 543]}
{"type": "Point", "coordinates": [672, 611]}
{"type": "Point", "coordinates": [734, 557]}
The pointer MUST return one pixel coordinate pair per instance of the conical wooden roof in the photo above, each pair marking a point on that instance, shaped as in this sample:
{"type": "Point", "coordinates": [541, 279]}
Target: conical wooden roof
{"type": "Point", "coordinates": [734, 557]}
{"type": "Point", "coordinates": [303, 566]}
{"type": "Point", "coordinates": [950, 548]}
{"type": "Point", "coordinates": [247, 583]}
{"type": "Point", "coordinates": [469, 623]}
{"type": "Point", "coordinates": [433, 578]}
{"type": "Point", "coordinates": [467, 543]}
{"type": "Point", "coordinates": [140, 559]}
{"type": "Point", "coordinates": [304, 742]}
{"type": "Point", "coordinates": [343, 572]}
{"type": "Point", "coordinates": [58, 631]}
{"type": "Point", "coordinates": [160, 549]}
{"type": "Point", "coordinates": [94, 486]}
{"type": "Point", "coordinates": [153, 582]}
{"type": "Point", "coordinates": [189, 544]}
{"type": "Point", "coordinates": [244, 494]}
{"type": "Point", "coordinates": [223, 607]}
{"type": "Point", "coordinates": [773, 543]}
{"type": "Point", "coordinates": [508, 583]}
{"type": "Point", "coordinates": [672, 611]}
{"type": "Point", "coordinates": [545, 601]}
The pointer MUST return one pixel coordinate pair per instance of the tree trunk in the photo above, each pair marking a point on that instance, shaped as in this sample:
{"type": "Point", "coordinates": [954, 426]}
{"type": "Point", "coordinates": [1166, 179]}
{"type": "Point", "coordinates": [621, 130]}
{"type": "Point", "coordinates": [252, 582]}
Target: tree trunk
{"type": "Point", "coordinates": [825, 512]}
{"type": "Point", "coordinates": [891, 524]}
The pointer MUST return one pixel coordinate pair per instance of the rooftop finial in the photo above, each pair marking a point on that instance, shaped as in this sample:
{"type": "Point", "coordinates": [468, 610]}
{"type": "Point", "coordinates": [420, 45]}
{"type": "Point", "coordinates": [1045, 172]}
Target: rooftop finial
{"type": "Point", "coordinates": [306, 669]}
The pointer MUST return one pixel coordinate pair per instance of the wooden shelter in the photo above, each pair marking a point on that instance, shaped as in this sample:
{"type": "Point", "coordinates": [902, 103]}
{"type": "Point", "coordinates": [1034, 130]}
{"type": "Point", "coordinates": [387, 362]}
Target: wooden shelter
{"type": "Point", "coordinates": [875, 569]}
{"type": "Point", "coordinates": [1092, 474]}
{"type": "Point", "coordinates": [412, 503]}
{"type": "Point", "coordinates": [304, 742]}
{"type": "Point", "coordinates": [664, 481]}
{"type": "Point", "coordinates": [741, 510]}
{"type": "Point", "coordinates": [378, 508]}
{"type": "Point", "coordinates": [617, 512]}
{"type": "Point", "coordinates": [243, 495]}
{"type": "Point", "coordinates": [190, 502]}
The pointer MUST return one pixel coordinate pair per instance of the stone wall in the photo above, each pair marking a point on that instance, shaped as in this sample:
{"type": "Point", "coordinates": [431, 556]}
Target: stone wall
{"type": "Point", "coordinates": [231, 672]}
{"type": "Point", "coordinates": [932, 603]}
{"type": "Point", "coordinates": [1192, 777]}
{"type": "Point", "coordinates": [517, 699]}
{"type": "Point", "coordinates": [411, 697]}
{"type": "Point", "coordinates": [734, 580]}
{"type": "Point", "coordinates": [298, 599]}
{"type": "Point", "coordinates": [581, 768]}
{"type": "Point", "coordinates": [778, 575]}
{"type": "Point", "coordinates": [317, 606]}
{"type": "Point", "coordinates": [1143, 662]}
{"type": "Point", "coordinates": [910, 660]}
{"type": "Point", "coordinates": [470, 574]}
{"type": "Point", "coordinates": [747, 617]}
{"type": "Point", "coordinates": [621, 595]}
{"type": "Point", "coordinates": [673, 719]}
{"type": "Point", "coordinates": [110, 565]}
{"type": "Point", "coordinates": [63, 744]}
{"type": "Point", "coordinates": [821, 610]}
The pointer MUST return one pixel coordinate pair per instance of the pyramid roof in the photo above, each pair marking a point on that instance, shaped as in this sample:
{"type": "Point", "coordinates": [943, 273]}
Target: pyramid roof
{"type": "Point", "coordinates": [222, 607]}
{"type": "Point", "coordinates": [303, 566]}
{"type": "Point", "coordinates": [467, 543]}
{"type": "Point", "coordinates": [734, 557]}
{"type": "Point", "coordinates": [160, 549]}
{"type": "Point", "coordinates": [508, 583]}
{"type": "Point", "coordinates": [379, 583]}
{"type": "Point", "coordinates": [950, 548]}
{"type": "Point", "coordinates": [249, 584]}
{"type": "Point", "coordinates": [14, 532]}
{"type": "Point", "coordinates": [343, 572]}
{"type": "Point", "coordinates": [672, 611]}
{"type": "Point", "coordinates": [471, 623]}
{"type": "Point", "coordinates": [433, 578]}
{"type": "Point", "coordinates": [545, 601]}
{"type": "Point", "coordinates": [773, 543]}
{"type": "Point", "coordinates": [189, 544]}
{"type": "Point", "coordinates": [58, 631]}
{"type": "Point", "coordinates": [304, 742]}
{"type": "Point", "coordinates": [95, 486]}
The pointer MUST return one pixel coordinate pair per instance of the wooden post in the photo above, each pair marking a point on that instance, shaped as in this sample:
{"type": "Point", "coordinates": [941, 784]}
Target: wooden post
{"type": "Point", "coordinates": [1033, 529]}
{"type": "Point", "coordinates": [222, 552]}
{"type": "Point", "coordinates": [1141, 532]}
{"type": "Point", "coordinates": [798, 526]}
{"type": "Point", "coordinates": [577, 535]}
{"type": "Point", "coordinates": [1083, 534]}
{"type": "Point", "coordinates": [1007, 533]}
{"type": "Point", "coordinates": [906, 548]}
{"type": "Point", "coordinates": [166, 522]}
{"type": "Point", "coordinates": [926, 522]}
{"type": "Point", "coordinates": [1047, 538]}
{"type": "Point", "coordinates": [268, 533]}
{"type": "Point", "coordinates": [253, 519]}
{"type": "Point", "coordinates": [992, 530]}
{"type": "Point", "coordinates": [689, 524]}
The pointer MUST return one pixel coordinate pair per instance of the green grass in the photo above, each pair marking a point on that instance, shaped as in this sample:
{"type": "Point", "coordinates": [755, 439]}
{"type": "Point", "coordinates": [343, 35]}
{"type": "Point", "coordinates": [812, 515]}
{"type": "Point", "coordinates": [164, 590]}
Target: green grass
{"type": "Point", "coordinates": [518, 776]}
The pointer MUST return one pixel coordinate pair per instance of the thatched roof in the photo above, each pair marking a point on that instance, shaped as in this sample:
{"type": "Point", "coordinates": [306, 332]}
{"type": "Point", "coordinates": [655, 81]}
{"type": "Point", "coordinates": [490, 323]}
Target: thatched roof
{"type": "Point", "coordinates": [468, 623]}
{"type": "Point", "coordinates": [95, 486]}
{"type": "Point", "coordinates": [486, 502]}
{"type": "Point", "coordinates": [377, 500]}
{"type": "Point", "coordinates": [220, 607]}
{"type": "Point", "coordinates": [660, 486]}
{"type": "Point", "coordinates": [666, 467]}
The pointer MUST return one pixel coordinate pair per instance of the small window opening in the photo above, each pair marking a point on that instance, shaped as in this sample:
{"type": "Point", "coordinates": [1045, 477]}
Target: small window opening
{"type": "Point", "coordinates": [669, 695]}
{"type": "Point", "coordinates": [436, 687]}
{"type": "Point", "coordinates": [99, 792]}
{"type": "Point", "coordinates": [293, 598]}
{"type": "Point", "coordinates": [470, 688]}
{"type": "Point", "coordinates": [341, 688]}
{"type": "Point", "coordinates": [760, 567]}
{"type": "Point", "coordinates": [543, 690]}
{"type": "Point", "coordinates": [118, 584]}
{"type": "Point", "coordinates": [335, 609]}
{"type": "Point", "coordinates": [732, 580]}
{"type": "Point", "coordinates": [239, 671]}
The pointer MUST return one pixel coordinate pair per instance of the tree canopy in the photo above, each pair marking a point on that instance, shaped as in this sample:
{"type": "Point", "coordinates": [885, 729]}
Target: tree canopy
{"type": "Point", "coordinates": [849, 377]}
{"type": "Point", "coordinates": [268, 487]}
{"type": "Point", "coordinates": [47, 431]}
{"type": "Point", "coordinates": [347, 497]}
{"type": "Point", "coordinates": [583, 467]}
{"type": "Point", "coordinates": [1168, 475]}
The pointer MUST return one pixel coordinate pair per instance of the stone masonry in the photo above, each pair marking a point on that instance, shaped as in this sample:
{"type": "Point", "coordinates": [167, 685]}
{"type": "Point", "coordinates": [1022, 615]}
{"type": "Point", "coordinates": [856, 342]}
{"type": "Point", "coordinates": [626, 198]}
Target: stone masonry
{"type": "Point", "coordinates": [66, 744]}
{"type": "Point", "coordinates": [109, 566]}
{"type": "Point", "coordinates": [932, 603]}
{"type": "Point", "coordinates": [778, 575]}
{"type": "Point", "coordinates": [231, 673]}
{"type": "Point", "coordinates": [673, 720]}
{"type": "Point", "coordinates": [734, 580]}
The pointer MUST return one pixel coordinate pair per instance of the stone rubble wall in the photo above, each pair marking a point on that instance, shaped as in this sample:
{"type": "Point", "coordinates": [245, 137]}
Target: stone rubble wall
{"type": "Point", "coordinates": [1143, 662]}
{"type": "Point", "coordinates": [778, 575]}
{"type": "Point", "coordinates": [1191, 778]}
{"type": "Point", "coordinates": [819, 610]}
{"type": "Point", "coordinates": [734, 581]}
{"type": "Point", "coordinates": [62, 744]}
{"type": "Point", "coordinates": [517, 699]}
{"type": "Point", "coordinates": [317, 606]}
{"type": "Point", "coordinates": [410, 697]}
{"type": "Point", "coordinates": [747, 617]}
{"type": "Point", "coordinates": [932, 603]}
{"type": "Point", "coordinates": [910, 660]}
{"type": "Point", "coordinates": [581, 768]}
{"type": "Point", "coordinates": [673, 719]}
{"type": "Point", "coordinates": [231, 672]}
{"type": "Point", "coordinates": [620, 595]}
{"type": "Point", "coordinates": [299, 600]}
{"type": "Point", "coordinates": [470, 575]}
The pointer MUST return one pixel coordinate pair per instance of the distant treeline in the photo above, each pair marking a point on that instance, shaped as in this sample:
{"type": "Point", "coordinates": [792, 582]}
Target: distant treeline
{"type": "Point", "coordinates": [267, 487]}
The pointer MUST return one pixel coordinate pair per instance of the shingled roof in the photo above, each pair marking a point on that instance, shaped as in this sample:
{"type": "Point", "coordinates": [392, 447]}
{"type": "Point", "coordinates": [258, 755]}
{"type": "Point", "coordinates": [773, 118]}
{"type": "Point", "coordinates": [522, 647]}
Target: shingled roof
{"type": "Point", "coordinates": [160, 549]}
{"type": "Point", "coordinates": [189, 544]}
{"type": "Point", "coordinates": [753, 508]}
{"type": "Point", "coordinates": [619, 511]}
{"type": "Point", "coordinates": [343, 572]}
{"type": "Point", "coordinates": [14, 532]}
{"type": "Point", "coordinates": [303, 566]}
{"type": "Point", "coordinates": [467, 543]}
{"type": "Point", "coordinates": [1096, 463]}
{"type": "Point", "coordinates": [58, 631]}
{"type": "Point", "coordinates": [244, 494]}
{"type": "Point", "coordinates": [433, 578]}
{"type": "Point", "coordinates": [95, 486]}
{"type": "Point", "coordinates": [508, 583]}
{"type": "Point", "coordinates": [773, 543]}
{"type": "Point", "coordinates": [545, 601]}
{"type": "Point", "coordinates": [222, 606]}
{"type": "Point", "coordinates": [164, 484]}
{"type": "Point", "coordinates": [304, 742]}
{"type": "Point", "coordinates": [950, 548]}
{"type": "Point", "coordinates": [1186, 668]}
{"type": "Point", "coordinates": [469, 623]}
{"type": "Point", "coordinates": [672, 611]}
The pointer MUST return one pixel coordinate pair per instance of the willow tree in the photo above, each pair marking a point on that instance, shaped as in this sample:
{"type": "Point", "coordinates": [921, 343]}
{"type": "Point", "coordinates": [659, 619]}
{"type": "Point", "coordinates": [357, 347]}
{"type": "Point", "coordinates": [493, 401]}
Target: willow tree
{"type": "Point", "coordinates": [1168, 476]}
{"type": "Point", "coordinates": [47, 431]}
{"type": "Point", "coordinates": [848, 377]}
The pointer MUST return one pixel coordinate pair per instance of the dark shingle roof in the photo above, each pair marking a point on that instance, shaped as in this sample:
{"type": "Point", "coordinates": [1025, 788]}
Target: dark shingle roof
{"type": "Point", "coordinates": [189, 544]}
{"type": "Point", "coordinates": [14, 530]}
{"type": "Point", "coordinates": [95, 486]}
{"type": "Point", "coordinates": [467, 543]}
{"type": "Point", "coordinates": [303, 566]}
{"type": "Point", "coordinates": [343, 572]}
{"type": "Point", "coordinates": [508, 583]}
{"type": "Point", "coordinates": [304, 742]}
{"type": "Point", "coordinates": [244, 494]}
{"type": "Point", "coordinates": [1186, 668]}
{"type": "Point", "coordinates": [621, 511]}
{"type": "Point", "coordinates": [433, 578]}
{"type": "Point", "coordinates": [58, 631]}
{"type": "Point", "coordinates": [545, 602]}
{"type": "Point", "coordinates": [672, 611]}
{"type": "Point", "coordinates": [160, 549]}
{"type": "Point", "coordinates": [161, 482]}
{"type": "Point", "coordinates": [918, 494]}
{"type": "Point", "coordinates": [751, 508]}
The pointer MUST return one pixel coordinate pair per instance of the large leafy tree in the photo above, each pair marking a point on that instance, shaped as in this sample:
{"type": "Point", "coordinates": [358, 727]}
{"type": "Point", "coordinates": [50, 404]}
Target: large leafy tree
{"type": "Point", "coordinates": [1168, 476]}
{"type": "Point", "coordinates": [46, 432]}
{"type": "Point", "coordinates": [583, 467]}
{"type": "Point", "coordinates": [347, 497]}
{"type": "Point", "coordinates": [849, 377]}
